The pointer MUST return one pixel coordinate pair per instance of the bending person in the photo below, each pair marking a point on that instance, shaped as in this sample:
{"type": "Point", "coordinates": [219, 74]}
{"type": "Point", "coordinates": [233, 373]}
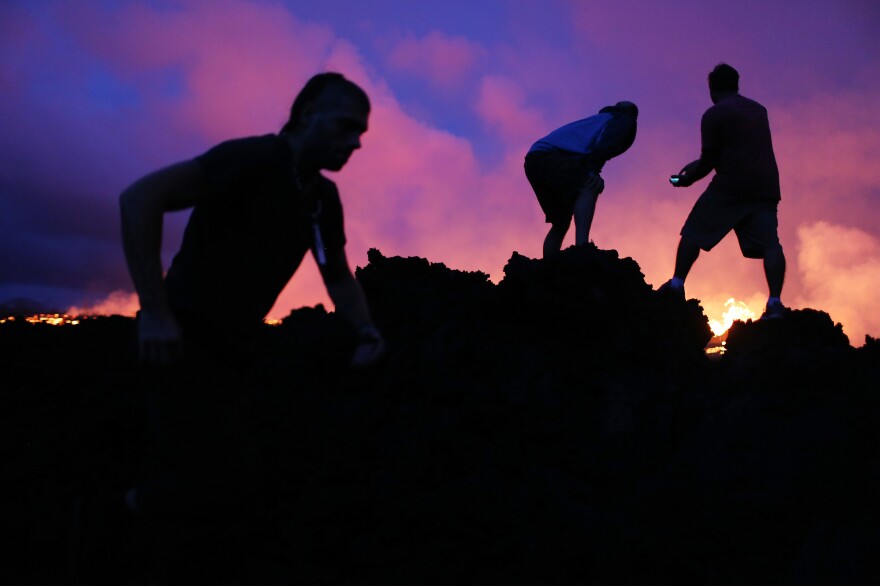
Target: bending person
{"type": "Point", "coordinates": [563, 169]}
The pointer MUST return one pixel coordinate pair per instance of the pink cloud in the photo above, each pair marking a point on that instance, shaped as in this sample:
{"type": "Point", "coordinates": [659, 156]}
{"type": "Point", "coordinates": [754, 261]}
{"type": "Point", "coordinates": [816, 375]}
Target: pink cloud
{"type": "Point", "coordinates": [827, 147]}
{"type": "Point", "coordinates": [241, 67]}
{"type": "Point", "coordinates": [501, 104]}
{"type": "Point", "coordinates": [443, 60]}
{"type": "Point", "coordinates": [116, 303]}
{"type": "Point", "coordinates": [840, 268]}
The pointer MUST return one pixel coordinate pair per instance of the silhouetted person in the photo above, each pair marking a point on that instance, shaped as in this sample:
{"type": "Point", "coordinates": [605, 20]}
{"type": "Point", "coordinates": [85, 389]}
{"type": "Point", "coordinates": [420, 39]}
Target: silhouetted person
{"type": "Point", "coordinates": [744, 193]}
{"type": "Point", "coordinates": [563, 169]}
{"type": "Point", "coordinates": [259, 204]}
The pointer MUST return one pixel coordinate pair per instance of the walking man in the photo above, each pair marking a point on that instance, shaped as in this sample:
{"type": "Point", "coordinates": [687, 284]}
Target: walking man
{"type": "Point", "coordinates": [744, 193]}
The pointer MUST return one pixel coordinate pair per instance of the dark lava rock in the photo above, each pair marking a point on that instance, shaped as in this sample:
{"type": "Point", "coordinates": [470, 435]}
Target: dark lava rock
{"type": "Point", "coordinates": [562, 426]}
{"type": "Point", "coordinates": [598, 304]}
{"type": "Point", "coordinates": [800, 331]}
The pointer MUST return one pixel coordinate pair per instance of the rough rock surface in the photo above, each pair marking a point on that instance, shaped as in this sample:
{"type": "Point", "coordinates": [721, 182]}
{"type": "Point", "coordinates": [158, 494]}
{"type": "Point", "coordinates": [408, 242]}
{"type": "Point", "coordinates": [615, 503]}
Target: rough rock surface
{"type": "Point", "coordinates": [560, 427]}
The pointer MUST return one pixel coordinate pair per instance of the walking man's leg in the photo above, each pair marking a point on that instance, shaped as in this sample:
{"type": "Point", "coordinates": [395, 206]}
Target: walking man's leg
{"type": "Point", "coordinates": [760, 234]}
{"type": "Point", "coordinates": [685, 257]}
{"type": "Point", "coordinates": [774, 270]}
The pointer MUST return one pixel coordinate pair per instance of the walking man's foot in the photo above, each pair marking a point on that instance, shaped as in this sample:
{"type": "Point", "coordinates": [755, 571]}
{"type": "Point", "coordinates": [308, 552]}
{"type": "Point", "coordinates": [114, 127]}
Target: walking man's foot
{"type": "Point", "coordinates": [667, 289]}
{"type": "Point", "coordinates": [774, 310]}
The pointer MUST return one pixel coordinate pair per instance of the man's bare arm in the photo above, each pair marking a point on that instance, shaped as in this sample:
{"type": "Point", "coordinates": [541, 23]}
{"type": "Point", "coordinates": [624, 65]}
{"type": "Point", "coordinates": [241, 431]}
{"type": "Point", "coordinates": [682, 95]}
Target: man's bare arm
{"type": "Point", "coordinates": [694, 171]}
{"type": "Point", "coordinates": [142, 207]}
{"type": "Point", "coordinates": [349, 300]}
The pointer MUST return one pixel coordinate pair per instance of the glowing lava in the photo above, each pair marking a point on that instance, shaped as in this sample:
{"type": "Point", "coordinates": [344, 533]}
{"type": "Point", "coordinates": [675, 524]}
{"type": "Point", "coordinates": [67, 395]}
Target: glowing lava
{"type": "Point", "coordinates": [735, 310]}
{"type": "Point", "coordinates": [66, 319]}
{"type": "Point", "coordinates": [53, 319]}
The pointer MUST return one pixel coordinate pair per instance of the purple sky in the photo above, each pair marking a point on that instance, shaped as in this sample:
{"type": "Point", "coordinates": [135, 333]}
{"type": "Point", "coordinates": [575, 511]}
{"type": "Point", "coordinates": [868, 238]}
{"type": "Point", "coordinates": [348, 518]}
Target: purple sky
{"type": "Point", "coordinates": [95, 94]}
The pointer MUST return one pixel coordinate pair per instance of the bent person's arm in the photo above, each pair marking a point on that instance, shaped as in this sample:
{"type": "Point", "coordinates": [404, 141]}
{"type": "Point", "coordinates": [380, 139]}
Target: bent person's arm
{"type": "Point", "coordinates": [142, 206]}
{"type": "Point", "coordinates": [350, 302]}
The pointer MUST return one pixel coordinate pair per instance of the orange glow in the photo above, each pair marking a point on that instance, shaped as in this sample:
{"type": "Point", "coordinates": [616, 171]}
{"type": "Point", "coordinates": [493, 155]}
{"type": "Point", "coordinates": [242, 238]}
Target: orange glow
{"type": "Point", "coordinates": [52, 319]}
{"type": "Point", "coordinates": [118, 302]}
{"type": "Point", "coordinates": [718, 350]}
{"type": "Point", "coordinates": [66, 319]}
{"type": "Point", "coordinates": [735, 310]}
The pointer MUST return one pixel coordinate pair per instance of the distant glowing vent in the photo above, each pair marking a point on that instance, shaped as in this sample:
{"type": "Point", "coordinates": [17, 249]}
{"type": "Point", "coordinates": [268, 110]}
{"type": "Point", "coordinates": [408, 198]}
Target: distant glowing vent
{"type": "Point", "coordinates": [735, 310]}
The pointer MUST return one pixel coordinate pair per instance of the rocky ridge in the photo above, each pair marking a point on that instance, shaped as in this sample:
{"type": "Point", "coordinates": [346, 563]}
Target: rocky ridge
{"type": "Point", "coordinates": [562, 426]}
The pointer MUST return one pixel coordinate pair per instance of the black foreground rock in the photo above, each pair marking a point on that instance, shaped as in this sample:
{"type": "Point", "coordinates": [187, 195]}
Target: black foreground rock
{"type": "Point", "coordinates": [561, 427]}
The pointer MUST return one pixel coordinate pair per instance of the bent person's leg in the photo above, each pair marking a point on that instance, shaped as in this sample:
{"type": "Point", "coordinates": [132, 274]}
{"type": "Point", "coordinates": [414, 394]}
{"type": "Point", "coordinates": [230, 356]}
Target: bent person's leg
{"type": "Point", "coordinates": [584, 209]}
{"type": "Point", "coordinates": [554, 238]}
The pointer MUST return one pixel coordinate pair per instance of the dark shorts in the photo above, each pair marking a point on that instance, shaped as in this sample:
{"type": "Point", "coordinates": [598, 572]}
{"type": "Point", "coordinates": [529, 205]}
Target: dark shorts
{"type": "Point", "coordinates": [716, 213]}
{"type": "Point", "coordinates": [557, 177]}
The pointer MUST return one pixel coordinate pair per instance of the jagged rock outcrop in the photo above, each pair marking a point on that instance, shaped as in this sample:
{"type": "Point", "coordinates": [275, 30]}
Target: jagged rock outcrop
{"type": "Point", "coordinates": [562, 426]}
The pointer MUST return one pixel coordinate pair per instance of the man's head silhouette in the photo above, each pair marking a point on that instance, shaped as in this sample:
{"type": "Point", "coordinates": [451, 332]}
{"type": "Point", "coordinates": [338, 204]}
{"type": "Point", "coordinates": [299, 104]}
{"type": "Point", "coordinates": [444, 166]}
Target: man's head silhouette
{"type": "Point", "coordinates": [316, 86]}
{"type": "Point", "coordinates": [326, 122]}
{"type": "Point", "coordinates": [628, 108]}
{"type": "Point", "coordinates": [723, 80]}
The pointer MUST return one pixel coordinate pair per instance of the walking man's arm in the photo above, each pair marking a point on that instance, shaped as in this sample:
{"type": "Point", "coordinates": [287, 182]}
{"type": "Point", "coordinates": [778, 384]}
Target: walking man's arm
{"type": "Point", "coordinates": [696, 170]}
